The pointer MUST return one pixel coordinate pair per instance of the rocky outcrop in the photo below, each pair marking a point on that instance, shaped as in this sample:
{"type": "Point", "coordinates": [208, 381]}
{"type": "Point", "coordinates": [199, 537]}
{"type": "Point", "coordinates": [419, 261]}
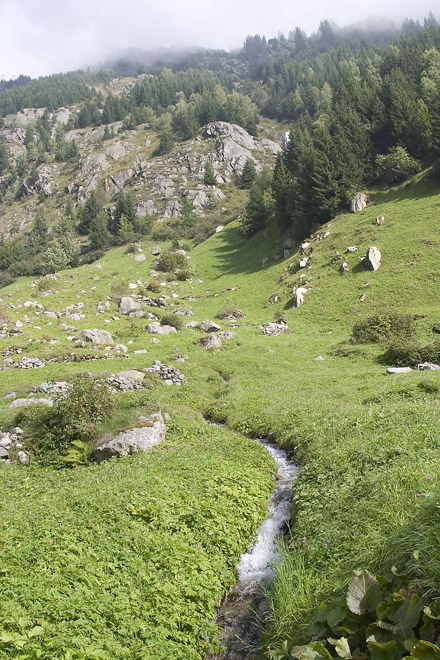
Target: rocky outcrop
{"type": "Point", "coordinates": [358, 203]}
{"type": "Point", "coordinates": [167, 373]}
{"type": "Point", "coordinates": [138, 439]}
{"type": "Point", "coordinates": [373, 258]}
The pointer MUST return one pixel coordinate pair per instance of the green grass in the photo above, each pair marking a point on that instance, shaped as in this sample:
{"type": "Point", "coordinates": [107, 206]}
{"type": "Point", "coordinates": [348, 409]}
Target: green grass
{"type": "Point", "coordinates": [367, 442]}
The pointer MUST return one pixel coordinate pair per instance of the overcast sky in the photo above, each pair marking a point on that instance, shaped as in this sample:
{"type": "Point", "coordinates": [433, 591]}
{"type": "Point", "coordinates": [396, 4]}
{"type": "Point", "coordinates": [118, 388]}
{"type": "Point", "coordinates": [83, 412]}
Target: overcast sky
{"type": "Point", "coordinates": [38, 37]}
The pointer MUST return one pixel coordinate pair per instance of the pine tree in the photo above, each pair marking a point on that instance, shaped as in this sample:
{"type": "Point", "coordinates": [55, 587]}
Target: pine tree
{"type": "Point", "coordinates": [209, 175]}
{"type": "Point", "coordinates": [166, 142]}
{"type": "Point", "coordinates": [98, 232]}
{"type": "Point", "coordinates": [88, 212]}
{"type": "Point", "coordinates": [248, 174]}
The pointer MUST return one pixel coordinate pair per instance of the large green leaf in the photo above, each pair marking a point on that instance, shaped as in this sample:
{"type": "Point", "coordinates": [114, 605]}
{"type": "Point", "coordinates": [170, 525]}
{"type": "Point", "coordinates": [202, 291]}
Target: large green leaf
{"type": "Point", "coordinates": [381, 651]}
{"type": "Point", "coordinates": [406, 616]}
{"type": "Point", "coordinates": [315, 651]}
{"type": "Point", "coordinates": [426, 651]}
{"type": "Point", "coordinates": [342, 647]}
{"type": "Point", "coordinates": [363, 594]}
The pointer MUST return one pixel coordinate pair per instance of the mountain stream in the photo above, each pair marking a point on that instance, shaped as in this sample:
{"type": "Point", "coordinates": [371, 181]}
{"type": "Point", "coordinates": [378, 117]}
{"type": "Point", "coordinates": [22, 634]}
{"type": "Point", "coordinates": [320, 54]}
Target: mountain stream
{"type": "Point", "coordinates": [244, 608]}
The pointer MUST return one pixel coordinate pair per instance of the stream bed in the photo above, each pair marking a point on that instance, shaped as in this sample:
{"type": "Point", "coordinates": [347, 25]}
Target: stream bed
{"type": "Point", "coordinates": [245, 607]}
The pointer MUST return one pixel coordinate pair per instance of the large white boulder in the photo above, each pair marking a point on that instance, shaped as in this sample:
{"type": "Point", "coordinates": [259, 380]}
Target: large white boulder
{"type": "Point", "coordinates": [139, 439]}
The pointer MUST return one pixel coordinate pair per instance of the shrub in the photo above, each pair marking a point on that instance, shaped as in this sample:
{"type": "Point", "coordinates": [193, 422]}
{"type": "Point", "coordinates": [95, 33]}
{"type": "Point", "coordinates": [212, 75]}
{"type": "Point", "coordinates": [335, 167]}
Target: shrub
{"type": "Point", "coordinates": [154, 286]}
{"type": "Point", "coordinates": [54, 434]}
{"type": "Point", "coordinates": [172, 319]}
{"type": "Point", "coordinates": [403, 353]}
{"type": "Point", "coordinates": [171, 261]}
{"type": "Point", "coordinates": [396, 166]}
{"type": "Point", "coordinates": [183, 274]}
{"type": "Point", "coordinates": [382, 327]}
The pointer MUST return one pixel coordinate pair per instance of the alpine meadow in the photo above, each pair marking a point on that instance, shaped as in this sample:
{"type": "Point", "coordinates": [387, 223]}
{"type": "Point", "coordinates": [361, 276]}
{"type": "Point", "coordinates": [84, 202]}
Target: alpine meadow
{"type": "Point", "coordinates": [219, 352]}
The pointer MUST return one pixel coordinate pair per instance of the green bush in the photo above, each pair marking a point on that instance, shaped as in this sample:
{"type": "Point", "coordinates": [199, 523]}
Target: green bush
{"type": "Point", "coordinates": [172, 319]}
{"type": "Point", "coordinates": [55, 434]}
{"type": "Point", "coordinates": [382, 327]}
{"type": "Point", "coordinates": [410, 353]}
{"type": "Point", "coordinates": [170, 261]}
{"type": "Point", "coordinates": [183, 274]}
{"type": "Point", "coordinates": [154, 286]}
{"type": "Point", "coordinates": [396, 166]}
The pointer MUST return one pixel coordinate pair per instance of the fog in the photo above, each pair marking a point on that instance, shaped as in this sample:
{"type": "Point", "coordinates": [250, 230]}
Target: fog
{"type": "Point", "coordinates": [38, 37]}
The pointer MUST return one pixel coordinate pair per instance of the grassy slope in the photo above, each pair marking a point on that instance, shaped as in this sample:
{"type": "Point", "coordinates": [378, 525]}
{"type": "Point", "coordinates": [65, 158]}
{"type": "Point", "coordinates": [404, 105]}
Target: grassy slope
{"type": "Point", "coordinates": [368, 442]}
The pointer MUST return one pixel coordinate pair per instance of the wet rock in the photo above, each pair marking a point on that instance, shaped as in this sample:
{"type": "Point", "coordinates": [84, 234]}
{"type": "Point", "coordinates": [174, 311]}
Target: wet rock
{"type": "Point", "coordinates": [138, 439]}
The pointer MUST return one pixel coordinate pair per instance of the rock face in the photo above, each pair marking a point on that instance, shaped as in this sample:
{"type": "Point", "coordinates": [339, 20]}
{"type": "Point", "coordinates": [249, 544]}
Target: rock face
{"type": "Point", "coordinates": [139, 439]}
{"type": "Point", "coordinates": [127, 305]}
{"type": "Point", "coordinates": [156, 328]}
{"type": "Point", "coordinates": [100, 337]}
{"type": "Point", "coordinates": [210, 326]}
{"type": "Point", "coordinates": [373, 258]}
{"type": "Point", "coordinates": [358, 202]}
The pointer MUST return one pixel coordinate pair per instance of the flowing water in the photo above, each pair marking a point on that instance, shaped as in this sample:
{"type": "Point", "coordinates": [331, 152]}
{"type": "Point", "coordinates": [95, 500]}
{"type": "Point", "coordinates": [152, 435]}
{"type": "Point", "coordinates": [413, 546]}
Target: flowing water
{"type": "Point", "coordinates": [245, 606]}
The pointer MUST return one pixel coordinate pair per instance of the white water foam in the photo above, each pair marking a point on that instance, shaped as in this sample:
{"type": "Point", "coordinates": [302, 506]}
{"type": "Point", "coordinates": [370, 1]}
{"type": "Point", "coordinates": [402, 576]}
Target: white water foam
{"type": "Point", "coordinates": [258, 563]}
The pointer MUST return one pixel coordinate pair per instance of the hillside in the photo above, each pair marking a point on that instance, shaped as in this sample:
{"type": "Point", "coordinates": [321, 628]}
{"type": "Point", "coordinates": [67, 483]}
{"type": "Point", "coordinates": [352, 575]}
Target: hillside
{"type": "Point", "coordinates": [367, 441]}
{"type": "Point", "coordinates": [179, 272]}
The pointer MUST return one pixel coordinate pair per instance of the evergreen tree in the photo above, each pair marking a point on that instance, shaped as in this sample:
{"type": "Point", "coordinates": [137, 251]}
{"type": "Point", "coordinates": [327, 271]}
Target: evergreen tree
{"type": "Point", "coordinates": [124, 207]}
{"type": "Point", "coordinates": [248, 174]}
{"type": "Point", "coordinates": [209, 175]}
{"type": "Point", "coordinates": [166, 142]}
{"type": "Point", "coordinates": [260, 207]}
{"type": "Point", "coordinates": [4, 160]}
{"type": "Point", "coordinates": [98, 231]}
{"type": "Point", "coordinates": [88, 212]}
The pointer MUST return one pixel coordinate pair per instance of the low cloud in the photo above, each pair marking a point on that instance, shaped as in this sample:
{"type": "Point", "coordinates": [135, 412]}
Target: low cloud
{"type": "Point", "coordinates": [38, 37]}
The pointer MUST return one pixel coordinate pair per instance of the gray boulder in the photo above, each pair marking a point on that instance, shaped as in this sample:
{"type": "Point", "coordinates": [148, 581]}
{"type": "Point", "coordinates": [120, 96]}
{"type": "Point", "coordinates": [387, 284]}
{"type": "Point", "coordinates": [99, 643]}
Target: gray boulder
{"type": "Point", "coordinates": [132, 374]}
{"type": "Point", "coordinates": [398, 370]}
{"type": "Point", "coordinates": [156, 328]}
{"type": "Point", "coordinates": [139, 439]}
{"type": "Point", "coordinates": [22, 403]}
{"type": "Point", "coordinates": [127, 305]}
{"type": "Point", "coordinates": [373, 258]}
{"type": "Point", "coordinates": [4, 456]}
{"type": "Point", "coordinates": [226, 334]}
{"type": "Point", "coordinates": [213, 342]}
{"type": "Point", "coordinates": [210, 326]}
{"type": "Point", "coordinates": [274, 329]}
{"type": "Point", "coordinates": [428, 366]}
{"type": "Point", "coordinates": [100, 337]}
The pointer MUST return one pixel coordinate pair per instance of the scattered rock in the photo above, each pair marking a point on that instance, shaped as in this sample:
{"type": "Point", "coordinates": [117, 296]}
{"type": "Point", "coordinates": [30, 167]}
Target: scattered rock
{"type": "Point", "coordinates": [226, 334]}
{"type": "Point", "coordinates": [274, 329]}
{"type": "Point", "coordinates": [344, 268]}
{"type": "Point", "coordinates": [319, 358]}
{"type": "Point", "coordinates": [140, 257]}
{"type": "Point", "coordinates": [100, 337]}
{"type": "Point", "coordinates": [156, 251]}
{"type": "Point", "coordinates": [428, 366]}
{"type": "Point", "coordinates": [219, 228]}
{"type": "Point", "coordinates": [398, 370]}
{"type": "Point", "coordinates": [167, 372]}
{"type": "Point", "coordinates": [30, 363]}
{"type": "Point", "coordinates": [362, 298]}
{"type": "Point", "coordinates": [380, 220]}
{"type": "Point", "coordinates": [373, 258]}
{"type": "Point", "coordinates": [139, 439]}
{"type": "Point", "coordinates": [352, 248]}
{"type": "Point", "coordinates": [4, 455]}
{"type": "Point", "coordinates": [303, 262]}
